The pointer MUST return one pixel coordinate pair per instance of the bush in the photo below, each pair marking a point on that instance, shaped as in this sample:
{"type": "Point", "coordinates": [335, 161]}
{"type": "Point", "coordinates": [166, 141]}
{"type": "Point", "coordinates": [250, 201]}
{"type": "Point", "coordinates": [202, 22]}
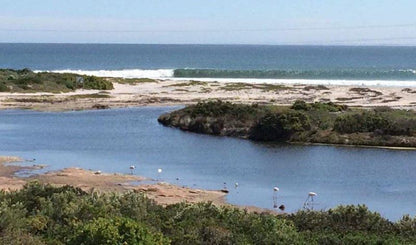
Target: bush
{"type": "Point", "coordinates": [361, 122]}
{"type": "Point", "coordinates": [4, 87]}
{"type": "Point", "coordinates": [92, 82]}
{"type": "Point", "coordinates": [115, 231]}
{"type": "Point", "coordinates": [42, 214]}
{"type": "Point", "coordinates": [319, 106]}
{"type": "Point", "coordinates": [219, 108]}
{"type": "Point", "coordinates": [280, 126]}
{"type": "Point", "coordinates": [300, 105]}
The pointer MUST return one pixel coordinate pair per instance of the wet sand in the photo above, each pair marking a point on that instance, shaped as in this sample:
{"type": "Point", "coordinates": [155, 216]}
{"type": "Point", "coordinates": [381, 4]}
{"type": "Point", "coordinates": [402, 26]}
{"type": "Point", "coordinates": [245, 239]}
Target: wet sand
{"type": "Point", "coordinates": [162, 193]}
{"type": "Point", "coordinates": [8, 181]}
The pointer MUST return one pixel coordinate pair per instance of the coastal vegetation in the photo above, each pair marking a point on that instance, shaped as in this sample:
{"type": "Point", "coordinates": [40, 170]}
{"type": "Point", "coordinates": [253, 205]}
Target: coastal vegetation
{"type": "Point", "coordinates": [43, 214]}
{"type": "Point", "coordinates": [132, 81]}
{"type": "Point", "coordinates": [26, 80]}
{"type": "Point", "coordinates": [302, 122]}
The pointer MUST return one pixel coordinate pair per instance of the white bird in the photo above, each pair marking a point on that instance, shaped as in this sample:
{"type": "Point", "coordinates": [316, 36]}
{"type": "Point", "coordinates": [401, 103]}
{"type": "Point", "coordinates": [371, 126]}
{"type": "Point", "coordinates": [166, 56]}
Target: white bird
{"type": "Point", "coordinates": [276, 188]}
{"type": "Point", "coordinates": [159, 170]}
{"type": "Point", "coordinates": [236, 184]}
{"type": "Point", "coordinates": [132, 167]}
{"type": "Point", "coordinates": [309, 202]}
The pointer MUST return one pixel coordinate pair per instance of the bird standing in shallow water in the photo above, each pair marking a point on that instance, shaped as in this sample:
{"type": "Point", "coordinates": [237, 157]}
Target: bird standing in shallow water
{"type": "Point", "coordinates": [132, 168]}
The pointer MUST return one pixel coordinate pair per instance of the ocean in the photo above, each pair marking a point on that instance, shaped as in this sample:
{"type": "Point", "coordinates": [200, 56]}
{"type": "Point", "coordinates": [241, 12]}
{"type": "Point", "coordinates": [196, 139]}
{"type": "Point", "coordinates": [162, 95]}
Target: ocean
{"type": "Point", "coordinates": [389, 66]}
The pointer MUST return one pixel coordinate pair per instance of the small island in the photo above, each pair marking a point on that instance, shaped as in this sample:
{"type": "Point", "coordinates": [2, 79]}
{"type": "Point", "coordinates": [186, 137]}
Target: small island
{"type": "Point", "coordinates": [319, 122]}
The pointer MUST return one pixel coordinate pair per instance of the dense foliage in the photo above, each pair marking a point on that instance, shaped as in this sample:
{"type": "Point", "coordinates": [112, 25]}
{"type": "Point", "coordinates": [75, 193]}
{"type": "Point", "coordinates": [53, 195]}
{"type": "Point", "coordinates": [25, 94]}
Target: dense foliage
{"type": "Point", "coordinates": [42, 214]}
{"type": "Point", "coordinates": [361, 122]}
{"type": "Point", "coordinates": [219, 108]}
{"type": "Point", "coordinates": [329, 106]}
{"type": "Point", "coordinates": [91, 82]}
{"type": "Point", "coordinates": [319, 122]}
{"type": "Point", "coordinates": [378, 122]}
{"type": "Point", "coordinates": [278, 126]}
{"type": "Point", "coordinates": [26, 80]}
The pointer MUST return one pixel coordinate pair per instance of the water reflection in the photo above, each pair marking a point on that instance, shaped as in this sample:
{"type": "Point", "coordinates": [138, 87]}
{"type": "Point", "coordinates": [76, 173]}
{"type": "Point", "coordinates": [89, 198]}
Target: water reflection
{"type": "Point", "coordinates": [114, 140]}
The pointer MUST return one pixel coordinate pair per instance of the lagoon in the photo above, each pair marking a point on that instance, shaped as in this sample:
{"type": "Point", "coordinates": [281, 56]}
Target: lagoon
{"type": "Point", "coordinates": [112, 140]}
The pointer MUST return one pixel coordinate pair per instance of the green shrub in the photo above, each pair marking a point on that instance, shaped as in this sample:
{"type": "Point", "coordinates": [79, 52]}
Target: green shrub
{"type": "Point", "coordinates": [361, 122]}
{"type": "Point", "coordinates": [319, 106]}
{"type": "Point", "coordinates": [92, 82]}
{"type": "Point", "coordinates": [300, 105]}
{"type": "Point", "coordinates": [25, 79]}
{"type": "Point", "coordinates": [42, 214]}
{"type": "Point", "coordinates": [218, 108]}
{"type": "Point", "coordinates": [342, 219]}
{"type": "Point", "coordinates": [4, 87]}
{"type": "Point", "coordinates": [115, 231]}
{"type": "Point", "coordinates": [280, 126]}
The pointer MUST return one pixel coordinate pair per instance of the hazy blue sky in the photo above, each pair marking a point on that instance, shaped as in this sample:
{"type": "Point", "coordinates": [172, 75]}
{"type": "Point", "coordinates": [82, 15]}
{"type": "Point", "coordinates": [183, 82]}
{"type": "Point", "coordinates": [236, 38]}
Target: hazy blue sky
{"type": "Point", "coordinates": [210, 21]}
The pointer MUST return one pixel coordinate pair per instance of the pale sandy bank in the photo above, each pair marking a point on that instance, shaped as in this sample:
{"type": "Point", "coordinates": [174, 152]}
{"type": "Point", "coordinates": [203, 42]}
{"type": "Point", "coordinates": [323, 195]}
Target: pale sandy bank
{"type": "Point", "coordinates": [182, 92]}
{"type": "Point", "coordinates": [162, 193]}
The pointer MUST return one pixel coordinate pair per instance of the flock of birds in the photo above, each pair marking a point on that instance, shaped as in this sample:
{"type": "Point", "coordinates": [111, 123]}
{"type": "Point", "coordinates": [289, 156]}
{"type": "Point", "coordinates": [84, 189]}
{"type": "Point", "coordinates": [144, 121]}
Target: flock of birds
{"type": "Point", "coordinates": [308, 204]}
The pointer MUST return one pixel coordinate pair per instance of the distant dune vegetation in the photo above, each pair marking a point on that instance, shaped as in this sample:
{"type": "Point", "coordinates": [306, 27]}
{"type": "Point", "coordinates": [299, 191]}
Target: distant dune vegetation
{"type": "Point", "coordinates": [26, 80]}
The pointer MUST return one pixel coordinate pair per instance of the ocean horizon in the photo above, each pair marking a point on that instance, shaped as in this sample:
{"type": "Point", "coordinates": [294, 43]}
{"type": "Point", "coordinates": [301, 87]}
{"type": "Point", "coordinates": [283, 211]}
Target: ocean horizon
{"type": "Point", "coordinates": [336, 65]}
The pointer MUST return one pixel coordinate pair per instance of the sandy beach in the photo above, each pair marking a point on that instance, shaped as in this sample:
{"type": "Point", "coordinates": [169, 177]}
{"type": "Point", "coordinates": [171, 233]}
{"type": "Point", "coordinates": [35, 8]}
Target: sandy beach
{"type": "Point", "coordinates": [162, 193]}
{"type": "Point", "coordinates": [128, 93]}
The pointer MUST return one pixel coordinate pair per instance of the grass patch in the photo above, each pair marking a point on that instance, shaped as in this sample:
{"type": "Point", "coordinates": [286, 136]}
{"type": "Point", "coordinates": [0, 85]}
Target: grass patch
{"type": "Point", "coordinates": [244, 86]}
{"type": "Point", "coordinates": [409, 90]}
{"type": "Point", "coordinates": [315, 87]}
{"type": "Point", "coordinates": [236, 86]}
{"type": "Point", "coordinates": [132, 81]}
{"type": "Point", "coordinates": [348, 98]}
{"type": "Point", "coordinates": [188, 84]}
{"type": "Point", "coordinates": [366, 91]}
{"type": "Point", "coordinates": [90, 96]}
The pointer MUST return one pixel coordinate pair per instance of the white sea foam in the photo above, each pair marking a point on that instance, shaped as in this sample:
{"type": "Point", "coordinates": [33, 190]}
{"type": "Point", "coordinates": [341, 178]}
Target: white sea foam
{"type": "Point", "coordinates": [374, 83]}
{"type": "Point", "coordinates": [169, 73]}
{"type": "Point", "coordinates": [127, 73]}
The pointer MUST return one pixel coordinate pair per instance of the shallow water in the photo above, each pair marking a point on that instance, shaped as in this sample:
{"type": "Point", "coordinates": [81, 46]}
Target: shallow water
{"type": "Point", "coordinates": [112, 140]}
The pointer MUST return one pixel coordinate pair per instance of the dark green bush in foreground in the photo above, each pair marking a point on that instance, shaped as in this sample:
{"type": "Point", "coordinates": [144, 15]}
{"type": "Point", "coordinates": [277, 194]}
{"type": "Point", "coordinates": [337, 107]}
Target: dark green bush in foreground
{"type": "Point", "coordinates": [41, 214]}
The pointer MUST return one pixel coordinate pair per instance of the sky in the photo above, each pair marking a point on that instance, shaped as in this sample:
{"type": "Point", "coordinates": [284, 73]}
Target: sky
{"type": "Point", "coordinates": [310, 22]}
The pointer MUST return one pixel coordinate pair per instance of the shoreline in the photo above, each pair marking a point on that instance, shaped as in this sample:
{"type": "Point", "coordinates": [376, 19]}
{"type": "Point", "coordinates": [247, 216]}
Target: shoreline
{"type": "Point", "coordinates": [161, 192]}
{"type": "Point", "coordinates": [150, 92]}
{"type": "Point", "coordinates": [397, 148]}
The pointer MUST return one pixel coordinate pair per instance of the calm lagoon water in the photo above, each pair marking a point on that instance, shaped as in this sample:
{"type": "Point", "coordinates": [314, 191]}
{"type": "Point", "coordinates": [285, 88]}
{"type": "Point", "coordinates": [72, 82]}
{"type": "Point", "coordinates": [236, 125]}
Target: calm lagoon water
{"type": "Point", "coordinates": [112, 140]}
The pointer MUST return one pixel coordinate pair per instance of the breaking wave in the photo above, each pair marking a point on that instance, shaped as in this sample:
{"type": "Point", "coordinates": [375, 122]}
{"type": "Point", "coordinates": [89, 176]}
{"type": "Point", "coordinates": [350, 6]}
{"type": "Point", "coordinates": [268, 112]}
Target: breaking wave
{"type": "Point", "coordinates": [324, 77]}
